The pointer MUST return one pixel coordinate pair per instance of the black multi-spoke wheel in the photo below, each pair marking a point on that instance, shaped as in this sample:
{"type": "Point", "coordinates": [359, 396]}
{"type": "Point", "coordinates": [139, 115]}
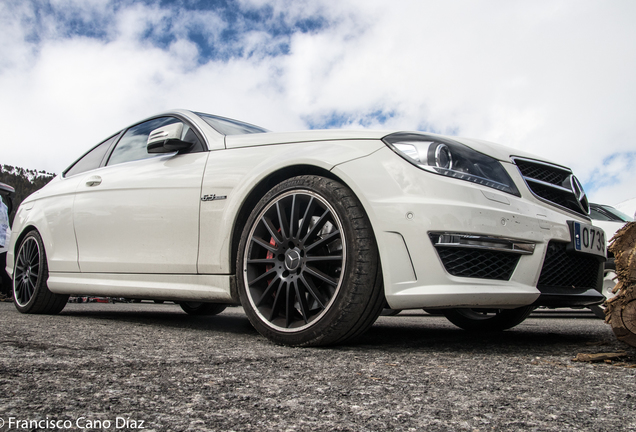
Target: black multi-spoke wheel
{"type": "Point", "coordinates": [30, 274]}
{"type": "Point", "coordinates": [294, 260]}
{"type": "Point", "coordinates": [308, 266]}
{"type": "Point", "coordinates": [201, 308]}
{"type": "Point", "coordinates": [487, 319]}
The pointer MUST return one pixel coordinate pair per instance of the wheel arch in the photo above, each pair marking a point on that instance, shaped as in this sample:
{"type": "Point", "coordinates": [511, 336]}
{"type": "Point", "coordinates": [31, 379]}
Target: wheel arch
{"type": "Point", "coordinates": [258, 191]}
{"type": "Point", "coordinates": [18, 241]}
{"type": "Point", "coordinates": [330, 295]}
{"type": "Point", "coordinates": [23, 234]}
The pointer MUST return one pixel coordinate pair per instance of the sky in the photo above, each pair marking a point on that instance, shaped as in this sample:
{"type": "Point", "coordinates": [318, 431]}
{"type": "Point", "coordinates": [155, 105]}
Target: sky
{"type": "Point", "coordinates": [556, 78]}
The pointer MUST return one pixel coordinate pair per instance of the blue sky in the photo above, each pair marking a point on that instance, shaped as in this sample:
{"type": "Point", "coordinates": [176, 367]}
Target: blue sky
{"type": "Point", "coordinates": [556, 78]}
{"type": "Point", "coordinates": [218, 38]}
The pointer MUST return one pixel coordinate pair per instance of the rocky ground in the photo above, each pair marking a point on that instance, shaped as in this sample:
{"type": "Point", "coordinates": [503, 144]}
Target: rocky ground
{"type": "Point", "coordinates": [154, 367]}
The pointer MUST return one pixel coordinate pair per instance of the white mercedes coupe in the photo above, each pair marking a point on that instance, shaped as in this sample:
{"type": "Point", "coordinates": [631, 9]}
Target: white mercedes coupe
{"type": "Point", "coordinates": [313, 232]}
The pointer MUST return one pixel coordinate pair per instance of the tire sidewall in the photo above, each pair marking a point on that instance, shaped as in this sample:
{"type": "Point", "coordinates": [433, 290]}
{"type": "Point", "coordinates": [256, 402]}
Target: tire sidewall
{"type": "Point", "coordinates": [202, 308]}
{"type": "Point", "coordinates": [503, 320]}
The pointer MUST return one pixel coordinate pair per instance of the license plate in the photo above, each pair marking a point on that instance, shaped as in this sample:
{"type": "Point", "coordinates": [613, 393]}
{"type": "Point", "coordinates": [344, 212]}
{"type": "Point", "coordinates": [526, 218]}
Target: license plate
{"type": "Point", "coordinates": [589, 239]}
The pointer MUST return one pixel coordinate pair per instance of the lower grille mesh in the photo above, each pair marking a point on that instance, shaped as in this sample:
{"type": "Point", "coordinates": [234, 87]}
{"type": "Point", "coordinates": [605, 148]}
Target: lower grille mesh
{"type": "Point", "coordinates": [476, 263]}
{"type": "Point", "coordinates": [565, 270]}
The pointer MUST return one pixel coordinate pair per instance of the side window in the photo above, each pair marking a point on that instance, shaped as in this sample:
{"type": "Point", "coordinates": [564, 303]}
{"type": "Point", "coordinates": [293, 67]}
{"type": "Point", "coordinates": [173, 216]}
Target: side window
{"type": "Point", "coordinates": [132, 146]}
{"type": "Point", "coordinates": [92, 159]}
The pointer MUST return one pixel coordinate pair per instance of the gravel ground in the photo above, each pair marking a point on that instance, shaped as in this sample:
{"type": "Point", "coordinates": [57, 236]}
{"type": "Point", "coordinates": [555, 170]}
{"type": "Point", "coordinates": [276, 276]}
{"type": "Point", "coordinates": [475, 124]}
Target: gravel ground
{"type": "Point", "coordinates": [129, 364]}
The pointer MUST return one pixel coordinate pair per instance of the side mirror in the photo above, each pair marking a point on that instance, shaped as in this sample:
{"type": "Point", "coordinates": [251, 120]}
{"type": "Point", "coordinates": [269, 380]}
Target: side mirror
{"type": "Point", "coordinates": [167, 139]}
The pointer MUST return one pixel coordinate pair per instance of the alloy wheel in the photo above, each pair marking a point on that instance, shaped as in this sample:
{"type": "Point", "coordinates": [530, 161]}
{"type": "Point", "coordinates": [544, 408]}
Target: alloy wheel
{"type": "Point", "coordinates": [294, 260]}
{"type": "Point", "coordinates": [27, 271]}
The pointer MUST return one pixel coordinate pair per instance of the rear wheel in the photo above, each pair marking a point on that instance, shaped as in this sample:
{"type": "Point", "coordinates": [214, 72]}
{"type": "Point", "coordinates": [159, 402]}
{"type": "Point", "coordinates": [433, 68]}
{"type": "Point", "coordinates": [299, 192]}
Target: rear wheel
{"type": "Point", "coordinates": [30, 275]}
{"type": "Point", "coordinates": [477, 320]}
{"type": "Point", "coordinates": [308, 269]}
{"type": "Point", "coordinates": [200, 308]}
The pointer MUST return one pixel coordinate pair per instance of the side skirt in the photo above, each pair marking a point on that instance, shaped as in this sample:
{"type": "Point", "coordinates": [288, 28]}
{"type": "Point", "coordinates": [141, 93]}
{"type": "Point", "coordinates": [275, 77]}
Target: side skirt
{"type": "Point", "coordinates": [210, 288]}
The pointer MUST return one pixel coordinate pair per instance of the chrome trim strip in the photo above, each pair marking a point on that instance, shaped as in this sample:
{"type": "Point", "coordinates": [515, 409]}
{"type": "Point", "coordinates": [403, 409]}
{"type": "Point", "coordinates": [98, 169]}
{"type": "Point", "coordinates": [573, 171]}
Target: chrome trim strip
{"type": "Point", "coordinates": [550, 185]}
{"type": "Point", "coordinates": [476, 241]}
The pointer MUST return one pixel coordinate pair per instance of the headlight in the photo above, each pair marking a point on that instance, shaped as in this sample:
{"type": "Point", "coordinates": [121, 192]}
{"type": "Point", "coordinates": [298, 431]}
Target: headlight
{"type": "Point", "coordinates": [452, 159]}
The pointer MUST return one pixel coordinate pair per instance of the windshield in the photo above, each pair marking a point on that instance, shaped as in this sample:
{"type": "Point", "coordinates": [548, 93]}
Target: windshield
{"type": "Point", "coordinates": [608, 213]}
{"type": "Point", "coordinates": [619, 214]}
{"type": "Point", "coordinates": [228, 126]}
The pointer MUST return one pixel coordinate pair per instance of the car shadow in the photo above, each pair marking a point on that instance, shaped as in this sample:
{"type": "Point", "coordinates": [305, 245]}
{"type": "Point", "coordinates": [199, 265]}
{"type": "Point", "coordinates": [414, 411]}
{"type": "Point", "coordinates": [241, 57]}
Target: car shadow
{"type": "Point", "coordinates": [170, 317]}
{"type": "Point", "coordinates": [414, 331]}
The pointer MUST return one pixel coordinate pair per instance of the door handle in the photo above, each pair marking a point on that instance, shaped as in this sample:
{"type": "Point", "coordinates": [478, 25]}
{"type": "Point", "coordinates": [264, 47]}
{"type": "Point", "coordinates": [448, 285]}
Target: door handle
{"type": "Point", "coordinates": [94, 181]}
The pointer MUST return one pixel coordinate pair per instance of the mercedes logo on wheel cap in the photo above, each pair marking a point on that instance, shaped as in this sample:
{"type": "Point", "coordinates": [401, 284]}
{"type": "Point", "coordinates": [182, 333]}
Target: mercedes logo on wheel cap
{"type": "Point", "coordinates": [292, 259]}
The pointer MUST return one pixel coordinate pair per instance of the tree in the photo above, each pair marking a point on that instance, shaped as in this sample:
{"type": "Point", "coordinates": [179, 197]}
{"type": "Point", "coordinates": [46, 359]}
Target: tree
{"type": "Point", "coordinates": [24, 181]}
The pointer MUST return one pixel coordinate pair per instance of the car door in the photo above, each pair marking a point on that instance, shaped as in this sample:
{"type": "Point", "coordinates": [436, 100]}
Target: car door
{"type": "Point", "coordinates": [140, 212]}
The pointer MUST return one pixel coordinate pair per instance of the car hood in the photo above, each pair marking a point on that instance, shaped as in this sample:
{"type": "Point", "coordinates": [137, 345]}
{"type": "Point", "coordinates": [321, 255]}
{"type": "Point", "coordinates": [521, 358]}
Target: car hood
{"type": "Point", "coordinates": [236, 141]}
{"type": "Point", "coordinates": [496, 151]}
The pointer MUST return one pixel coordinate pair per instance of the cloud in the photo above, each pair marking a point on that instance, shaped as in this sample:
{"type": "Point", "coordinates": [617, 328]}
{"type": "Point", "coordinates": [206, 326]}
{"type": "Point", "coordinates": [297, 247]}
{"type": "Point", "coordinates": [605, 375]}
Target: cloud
{"type": "Point", "coordinates": [615, 170]}
{"type": "Point", "coordinates": [550, 77]}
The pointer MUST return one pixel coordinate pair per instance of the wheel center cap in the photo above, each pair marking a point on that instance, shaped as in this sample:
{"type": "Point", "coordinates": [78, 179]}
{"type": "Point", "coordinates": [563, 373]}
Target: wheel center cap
{"type": "Point", "coordinates": [292, 259]}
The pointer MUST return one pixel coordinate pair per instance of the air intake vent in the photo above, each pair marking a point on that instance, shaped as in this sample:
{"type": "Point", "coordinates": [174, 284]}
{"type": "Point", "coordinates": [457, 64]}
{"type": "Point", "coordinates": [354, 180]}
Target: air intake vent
{"type": "Point", "coordinates": [475, 263]}
{"type": "Point", "coordinates": [566, 270]}
{"type": "Point", "coordinates": [554, 184]}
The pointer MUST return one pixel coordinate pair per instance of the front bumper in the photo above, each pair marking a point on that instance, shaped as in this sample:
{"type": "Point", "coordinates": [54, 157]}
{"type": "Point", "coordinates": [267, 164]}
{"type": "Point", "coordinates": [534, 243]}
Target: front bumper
{"type": "Point", "coordinates": [410, 208]}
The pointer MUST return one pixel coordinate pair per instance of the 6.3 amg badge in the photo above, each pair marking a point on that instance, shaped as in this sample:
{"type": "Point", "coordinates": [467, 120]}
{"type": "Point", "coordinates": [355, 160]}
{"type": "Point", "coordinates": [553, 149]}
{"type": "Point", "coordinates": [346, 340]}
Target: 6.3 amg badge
{"type": "Point", "coordinates": [213, 197]}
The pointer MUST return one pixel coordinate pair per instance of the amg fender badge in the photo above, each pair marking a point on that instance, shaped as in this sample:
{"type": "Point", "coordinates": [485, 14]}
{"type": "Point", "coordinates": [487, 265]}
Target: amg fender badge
{"type": "Point", "coordinates": [213, 197]}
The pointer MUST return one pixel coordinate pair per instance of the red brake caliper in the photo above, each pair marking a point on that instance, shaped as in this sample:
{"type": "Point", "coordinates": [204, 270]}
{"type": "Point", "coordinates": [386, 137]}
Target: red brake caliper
{"type": "Point", "coordinates": [270, 255]}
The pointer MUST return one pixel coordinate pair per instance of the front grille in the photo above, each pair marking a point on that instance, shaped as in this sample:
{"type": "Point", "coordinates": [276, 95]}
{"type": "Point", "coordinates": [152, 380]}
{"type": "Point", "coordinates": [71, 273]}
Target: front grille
{"type": "Point", "coordinates": [562, 198]}
{"type": "Point", "coordinates": [543, 172]}
{"type": "Point", "coordinates": [568, 270]}
{"type": "Point", "coordinates": [476, 263]}
{"type": "Point", "coordinates": [552, 183]}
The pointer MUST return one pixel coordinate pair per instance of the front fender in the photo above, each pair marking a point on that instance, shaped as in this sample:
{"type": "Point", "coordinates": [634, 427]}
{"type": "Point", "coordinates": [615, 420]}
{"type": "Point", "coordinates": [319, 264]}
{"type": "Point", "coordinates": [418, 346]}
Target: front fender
{"type": "Point", "coordinates": [234, 173]}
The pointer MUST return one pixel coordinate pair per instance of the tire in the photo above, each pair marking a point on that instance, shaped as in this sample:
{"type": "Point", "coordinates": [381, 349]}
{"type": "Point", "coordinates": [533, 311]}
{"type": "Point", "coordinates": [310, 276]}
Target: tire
{"type": "Point", "coordinates": [485, 320]}
{"type": "Point", "coordinates": [390, 312]}
{"type": "Point", "coordinates": [200, 308]}
{"type": "Point", "coordinates": [31, 294]}
{"type": "Point", "coordinates": [435, 312]}
{"type": "Point", "coordinates": [308, 269]}
{"type": "Point", "coordinates": [598, 311]}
